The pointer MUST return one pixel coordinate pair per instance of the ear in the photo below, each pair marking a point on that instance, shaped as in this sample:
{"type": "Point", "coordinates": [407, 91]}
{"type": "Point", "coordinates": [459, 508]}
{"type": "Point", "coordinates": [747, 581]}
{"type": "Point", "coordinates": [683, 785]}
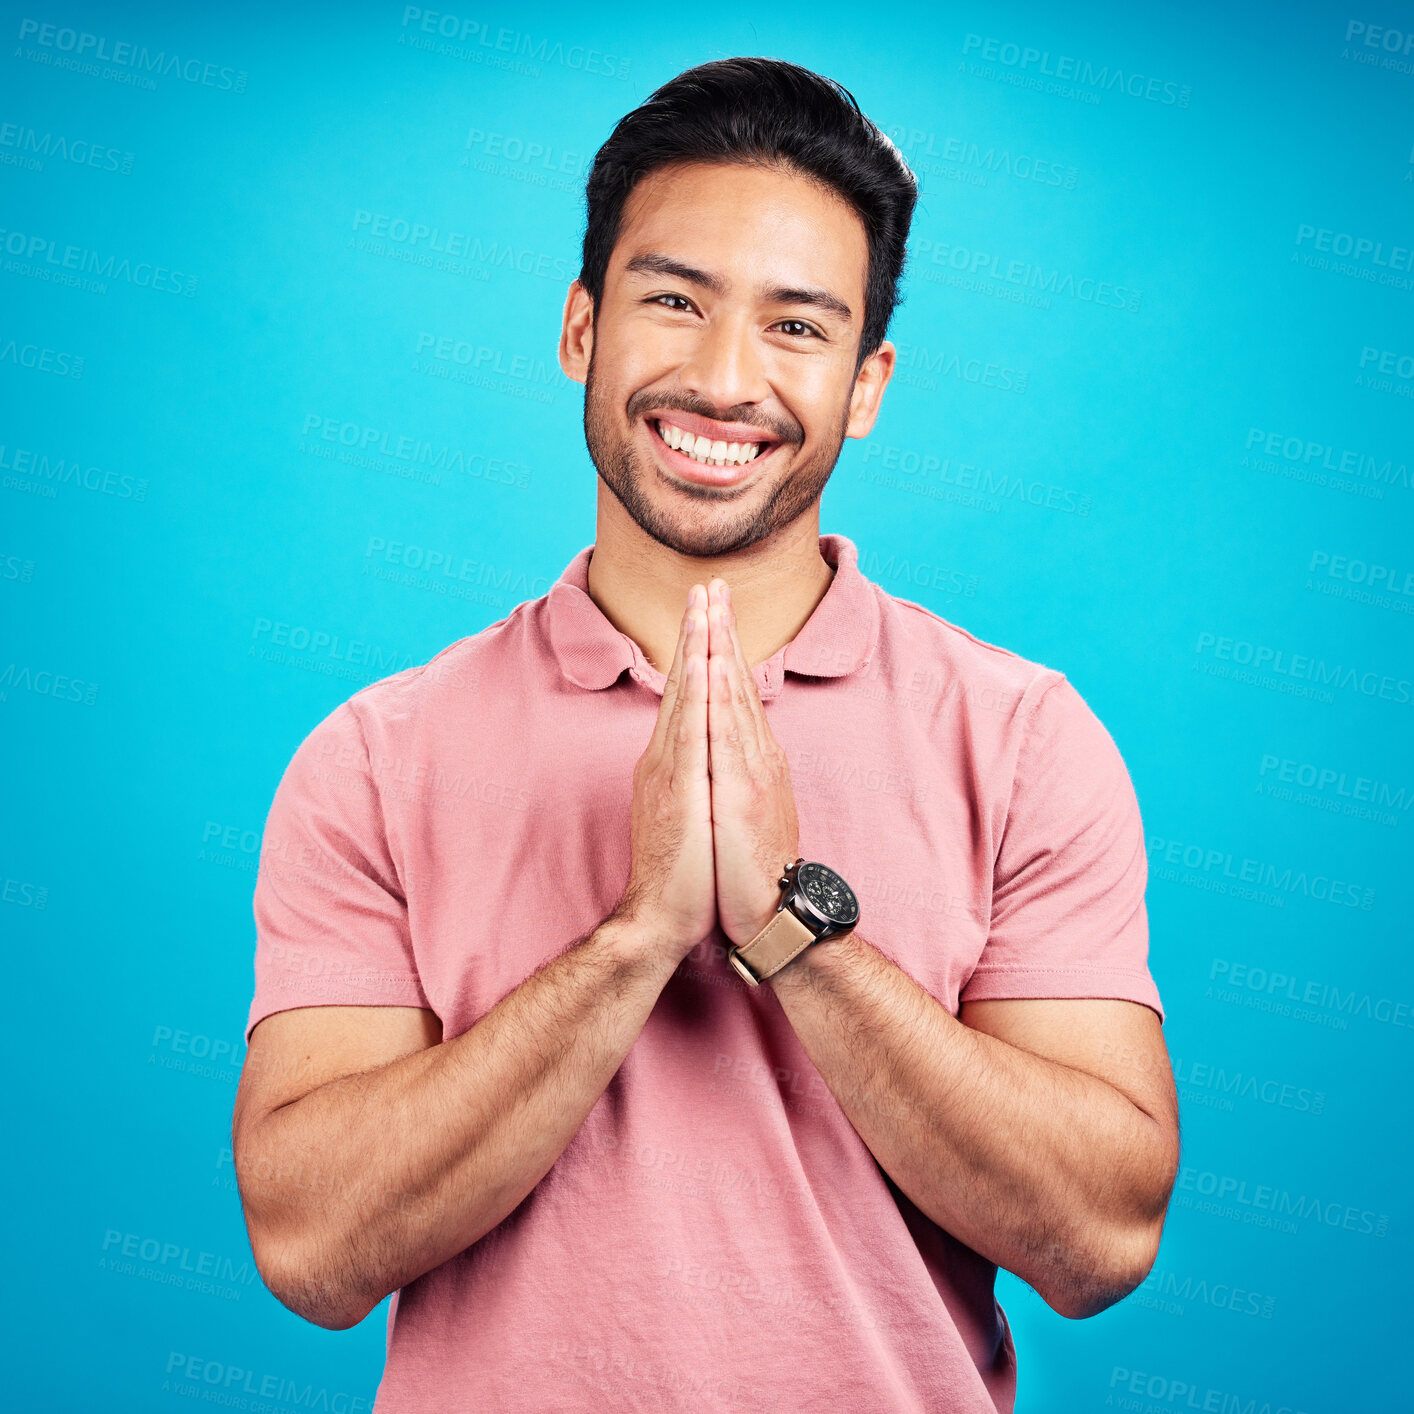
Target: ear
{"type": "Point", "coordinates": [869, 384]}
{"type": "Point", "coordinates": [577, 333]}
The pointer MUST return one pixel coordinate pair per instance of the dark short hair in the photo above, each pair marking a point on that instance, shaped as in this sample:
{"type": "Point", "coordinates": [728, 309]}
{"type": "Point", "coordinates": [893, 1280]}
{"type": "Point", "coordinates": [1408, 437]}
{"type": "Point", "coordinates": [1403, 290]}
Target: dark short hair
{"type": "Point", "coordinates": [761, 110]}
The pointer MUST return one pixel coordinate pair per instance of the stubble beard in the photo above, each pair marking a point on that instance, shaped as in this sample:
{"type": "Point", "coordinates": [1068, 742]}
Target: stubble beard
{"type": "Point", "coordinates": [721, 528]}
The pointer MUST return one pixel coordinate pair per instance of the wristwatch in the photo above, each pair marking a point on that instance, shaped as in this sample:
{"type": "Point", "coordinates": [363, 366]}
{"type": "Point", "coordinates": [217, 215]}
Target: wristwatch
{"type": "Point", "coordinates": [815, 904]}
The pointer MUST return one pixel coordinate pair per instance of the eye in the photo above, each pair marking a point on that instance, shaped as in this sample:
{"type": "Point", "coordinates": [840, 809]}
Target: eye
{"type": "Point", "coordinates": [682, 302]}
{"type": "Point", "coordinates": [799, 326]}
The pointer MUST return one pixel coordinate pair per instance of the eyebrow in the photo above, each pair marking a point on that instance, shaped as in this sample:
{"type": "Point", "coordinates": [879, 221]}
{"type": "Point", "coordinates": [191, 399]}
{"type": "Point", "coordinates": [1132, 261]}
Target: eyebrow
{"type": "Point", "coordinates": [655, 264]}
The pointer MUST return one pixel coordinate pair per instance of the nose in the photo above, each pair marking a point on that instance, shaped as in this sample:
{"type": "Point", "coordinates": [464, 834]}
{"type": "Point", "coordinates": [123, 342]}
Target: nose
{"type": "Point", "coordinates": [725, 366]}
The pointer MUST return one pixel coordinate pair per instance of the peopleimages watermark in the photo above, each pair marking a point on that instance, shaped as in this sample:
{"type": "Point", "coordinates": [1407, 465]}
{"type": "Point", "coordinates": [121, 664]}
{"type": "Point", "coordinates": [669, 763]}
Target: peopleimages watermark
{"type": "Point", "coordinates": [921, 367]}
{"type": "Point", "coordinates": [1282, 989]}
{"type": "Point", "coordinates": [497, 370]}
{"type": "Point", "coordinates": [1186, 1394]}
{"type": "Point", "coordinates": [1023, 274]}
{"type": "Point", "coordinates": [1166, 1291]}
{"type": "Point", "coordinates": [42, 682]}
{"type": "Point", "coordinates": [1272, 1207]}
{"type": "Point", "coordinates": [533, 153]}
{"type": "Point", "coordinates": [86, 51]}
{"type": "Point", "coordinates": [59, 471]}
{"type": "Point", "coordinates": [515, 584]}
{"type": "Point", "coordinates": [1358, 248]}
{"type": "Point", "coordinates": [1241, 876]}
{"type": "Point", "coordinates": [1064, 68]}
{"type": "Point", "coordinates": [23, 895]}
{"type": "Point", "coordinates": [222, 1383]}
{"type": "Point", "coordinates": [1301, 668]}
{"type": "Point", "coordinates": [41, 359]}
{"type": "Point", "coordinates": [918, 574]}
{"type": "Point", "coordinates": [973, 162]}
{"type": "Point", "coordinates": [1319, 457]}
{"type": "Point", "coordinates": [1215, 1086]}
{"type": "Point", "coordinates": [272, 637]}
{"type": "Point", "coordinates": [966, 481]}
{"type": "Point", "coordinates": [1355, 256]}
{"type": "Point", "coordinates": [454, 31]}
{"type": "Point", "coordinates": [461, 251]}
{"type": "Point", "coordinates": [1332, 789]}
{"type": "Point", "coordinates": [1361, 581]}
{"type": "Point", "coordinates": [43, 257]}
{"type": "Point", "coordinates": [1379, 46]}
{"type": "Point", "coordinates": [24, 147]}
{"type": "Point", "coordinates": [413, 456]}
{"type": "Point", "coordinates": [174, 1264]}
{"type": "Point", "coordinates": [1387, 362]}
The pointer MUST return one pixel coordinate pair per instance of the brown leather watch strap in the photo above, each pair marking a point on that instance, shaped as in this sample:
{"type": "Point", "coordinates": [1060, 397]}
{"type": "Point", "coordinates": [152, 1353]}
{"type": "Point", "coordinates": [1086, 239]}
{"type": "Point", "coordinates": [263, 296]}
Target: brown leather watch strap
{"type": "Point", "coordinates": [783, 938]}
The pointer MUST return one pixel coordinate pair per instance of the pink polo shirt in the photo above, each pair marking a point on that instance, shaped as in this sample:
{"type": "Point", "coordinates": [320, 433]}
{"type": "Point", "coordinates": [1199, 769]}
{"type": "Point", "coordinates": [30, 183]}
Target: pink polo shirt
{"type": "Point", "coordinates": [716, 1235]}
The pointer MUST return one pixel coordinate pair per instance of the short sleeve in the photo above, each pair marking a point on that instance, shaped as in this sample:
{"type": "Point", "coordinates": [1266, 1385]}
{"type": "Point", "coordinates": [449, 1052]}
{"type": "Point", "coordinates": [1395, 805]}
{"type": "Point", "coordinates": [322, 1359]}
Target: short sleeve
{"type": "Point", "coordinates": [1068, 914]}
{"type": "Point", "coordinates": [331, 919]}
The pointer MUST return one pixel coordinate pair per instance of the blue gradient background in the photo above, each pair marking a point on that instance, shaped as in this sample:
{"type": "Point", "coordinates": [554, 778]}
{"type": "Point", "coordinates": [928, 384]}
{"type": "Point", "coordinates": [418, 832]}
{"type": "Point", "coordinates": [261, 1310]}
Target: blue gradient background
{"type": "Point", "coordinates": [130, 841]}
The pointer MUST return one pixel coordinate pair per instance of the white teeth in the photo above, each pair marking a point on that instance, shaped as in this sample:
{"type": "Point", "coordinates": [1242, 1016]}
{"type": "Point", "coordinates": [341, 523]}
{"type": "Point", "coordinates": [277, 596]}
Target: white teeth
{"type": "Point", "coordinates": [706, 451]}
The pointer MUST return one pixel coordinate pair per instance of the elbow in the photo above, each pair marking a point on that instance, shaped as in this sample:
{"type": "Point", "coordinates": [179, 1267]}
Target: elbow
{"type": "Point", "coordinates": [1106, 1279]}
{"type": "Point", "coordinates": [1102, 1272]}
{"type": "Point", "coordinates": [298, 1283]}
{"type": "Point", "coordinates": [301, 1268]}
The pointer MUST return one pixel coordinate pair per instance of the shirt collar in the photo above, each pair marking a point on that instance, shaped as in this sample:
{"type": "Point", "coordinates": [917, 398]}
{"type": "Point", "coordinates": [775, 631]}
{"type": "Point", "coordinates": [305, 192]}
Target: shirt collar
{"type": "Point", "coordinates": [837, 639]}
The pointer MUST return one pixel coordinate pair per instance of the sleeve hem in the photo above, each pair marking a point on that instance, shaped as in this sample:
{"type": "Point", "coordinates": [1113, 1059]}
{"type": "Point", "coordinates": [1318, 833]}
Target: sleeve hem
{"type": "Point", "coordinates": [279, 998]}
{"type": "Point", "coordinates": [995, 984]}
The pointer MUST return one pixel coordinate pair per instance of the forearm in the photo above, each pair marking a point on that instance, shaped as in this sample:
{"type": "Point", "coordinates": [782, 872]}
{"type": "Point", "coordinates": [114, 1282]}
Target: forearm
{"type": "Point", "coordinates": [1047, 1171]}
{"type": "Point", "coordinates": [365, 1183]}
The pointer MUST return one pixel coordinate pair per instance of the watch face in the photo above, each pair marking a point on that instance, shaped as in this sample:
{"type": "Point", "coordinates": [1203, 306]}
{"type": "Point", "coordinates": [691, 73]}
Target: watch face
{"type": "Point", "coordinates": [828, 895]}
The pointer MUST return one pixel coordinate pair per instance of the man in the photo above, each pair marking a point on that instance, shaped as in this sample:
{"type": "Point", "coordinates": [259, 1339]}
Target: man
{"type": "Point", "coordinates": [532, 1047]}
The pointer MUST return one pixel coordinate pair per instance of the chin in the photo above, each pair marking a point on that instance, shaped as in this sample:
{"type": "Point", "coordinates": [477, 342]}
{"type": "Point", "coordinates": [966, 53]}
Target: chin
{"type": "Point", "coordinates": [710, 534]}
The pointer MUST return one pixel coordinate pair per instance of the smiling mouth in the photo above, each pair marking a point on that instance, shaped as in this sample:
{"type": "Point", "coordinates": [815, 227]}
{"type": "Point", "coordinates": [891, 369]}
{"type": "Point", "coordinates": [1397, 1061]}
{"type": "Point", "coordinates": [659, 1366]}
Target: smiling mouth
{"type": "Point", "coordinates": [703, 450]}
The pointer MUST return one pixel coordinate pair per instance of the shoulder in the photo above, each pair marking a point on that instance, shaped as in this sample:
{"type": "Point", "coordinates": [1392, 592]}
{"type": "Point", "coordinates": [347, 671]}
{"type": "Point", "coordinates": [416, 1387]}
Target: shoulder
{"type": "Point", "coordinates": [448, 684]}
{"type": "Point", "coordinates": [942, 657]}
{"type": "Point", "coordinates": [1032, 711]}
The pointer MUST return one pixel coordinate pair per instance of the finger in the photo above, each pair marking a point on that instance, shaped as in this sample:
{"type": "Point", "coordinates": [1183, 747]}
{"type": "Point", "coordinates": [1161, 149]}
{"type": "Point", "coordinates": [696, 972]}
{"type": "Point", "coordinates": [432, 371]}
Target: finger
{"type": "Point", "coordinates": [740, 731]}
{"type": "Point", "coordinates": [739, 711]}
{"type": "Point", "coordinates": [690, 734]}
{"type": "Point", "coordinates": [727, 729]}
{"type": "Point", "coordinates": [673, 680]}
{"type": "Point", "coordinates": [719, 637]}
{"type": "Point", "coordinates": [726, 640]}
{"type": "Point", "coordinates": [694, 646]}
{"type": "Point", "coordinates": [746, 678]}
{"type": "Point", "coordinates": [670, 684]}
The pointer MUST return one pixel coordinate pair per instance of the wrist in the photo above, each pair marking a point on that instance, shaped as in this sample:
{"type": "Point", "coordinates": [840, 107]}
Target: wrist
{"type": "Point", "coordinates": [742, 933]}
{"type": "Point", "coordinates": [638, 946]}
{"type": "Point", "coordinates": [815, 905]}
{"type": "Point", "coordinates": [819, 966]}
{"type": "Point", "coordinates": [740, 937]}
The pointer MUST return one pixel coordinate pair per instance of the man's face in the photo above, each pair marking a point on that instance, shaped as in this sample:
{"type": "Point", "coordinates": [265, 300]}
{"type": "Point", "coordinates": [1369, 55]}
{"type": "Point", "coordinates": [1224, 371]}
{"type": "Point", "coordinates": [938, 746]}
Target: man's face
{"type": "Point", "coordinates": [731, 315]}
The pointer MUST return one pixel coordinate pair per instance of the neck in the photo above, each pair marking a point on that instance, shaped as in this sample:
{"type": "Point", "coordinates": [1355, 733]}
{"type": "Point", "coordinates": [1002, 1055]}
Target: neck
{"type": "Point", "coordinates": [641, 586]}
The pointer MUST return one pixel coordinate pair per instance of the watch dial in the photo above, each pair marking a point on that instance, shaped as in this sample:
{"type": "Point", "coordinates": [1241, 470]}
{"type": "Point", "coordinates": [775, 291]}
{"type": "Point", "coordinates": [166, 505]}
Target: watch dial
{"type": "Point", "coordinates": [829, 895]}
